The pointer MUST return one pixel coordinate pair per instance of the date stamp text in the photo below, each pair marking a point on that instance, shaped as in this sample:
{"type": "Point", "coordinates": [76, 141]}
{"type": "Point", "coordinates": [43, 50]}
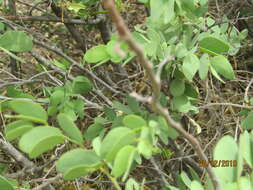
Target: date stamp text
{"type": "Point", "coordinates": [218, 163]}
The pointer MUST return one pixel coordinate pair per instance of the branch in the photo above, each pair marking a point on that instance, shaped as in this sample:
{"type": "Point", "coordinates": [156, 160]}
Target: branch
{"type": "Point", "coordinates": [53, 19]}
{"type": "Point", "coordinates": [48, 182]}
{"type": "Point", "coordinates": [125, 34]}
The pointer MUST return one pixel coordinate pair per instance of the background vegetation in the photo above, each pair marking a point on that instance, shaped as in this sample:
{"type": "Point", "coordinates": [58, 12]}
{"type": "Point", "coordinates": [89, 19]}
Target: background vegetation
{"type": "Point", "coordinates": [135, 94]}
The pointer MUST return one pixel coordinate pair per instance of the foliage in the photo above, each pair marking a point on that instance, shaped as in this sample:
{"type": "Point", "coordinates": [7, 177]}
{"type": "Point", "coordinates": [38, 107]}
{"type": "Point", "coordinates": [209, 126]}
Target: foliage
{"type": "Point", "coordinates": [200, 48]}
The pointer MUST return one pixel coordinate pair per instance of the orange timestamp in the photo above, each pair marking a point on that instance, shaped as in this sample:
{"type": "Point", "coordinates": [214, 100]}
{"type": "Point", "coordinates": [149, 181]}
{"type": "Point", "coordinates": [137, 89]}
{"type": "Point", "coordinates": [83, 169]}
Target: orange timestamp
{"type": "Point", "coordinates": [217, 163]}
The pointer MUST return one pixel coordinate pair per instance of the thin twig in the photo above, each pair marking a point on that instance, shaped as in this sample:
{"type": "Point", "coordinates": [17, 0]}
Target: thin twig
{"type": "Point", "coordinates": [225, 104]}
{"type": "Point", "coordinates": [48, 182]}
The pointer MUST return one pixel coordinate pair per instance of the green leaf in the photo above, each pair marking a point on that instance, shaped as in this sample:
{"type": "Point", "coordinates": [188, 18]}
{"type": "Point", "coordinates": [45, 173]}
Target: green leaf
{"type": "Point", "coordinates": [59, 64]}
{"type": "Point", "coordinates": [181, 51]}
{"type": "Point", "coordinates": [169, 12]}
{"type": "Point", "coordinates": [97, 54]}
{"type": "Point", "coordinates": [29, 108]}
{"type": "Point", "coordinates": [247, 145]}
{"type": "Point", "coordinates": [190, 66]}
{"type": "Point", "coordinates": [213, 44]}
{"type": "Point", "coordinates": [77, 163]}
{"type": "Point", "coordinates": [76, 7]}
{"type": "Point", "coordinates": [70, 128]}
{"type": "Point", "coordinates": [123, 161]}
{"type": "Point", "coordinates": [134, 121]}
{"type": "Point", "coordinates": [144, 145]}
{"type": "Point", "coordinates": [215, 74]}
{"type": "Point", "coordinates": [156, 9]}
{"type": "Point", "coordinates": [2, 25]}
{"type": "Point", "coordinates": [191, 91]}
{"type": "Point", "coordinates": [195, 185]}
{"type": "Point", "coordinates": [96, 144]}
{"type": "Point", "coordinates": [12, 55]}
{"type": "Point", "coordinates": [222, 66]}
{"type": "Point", "coordinates": [81, 85]}
{"type": "Point", "coordinates": [17, 128]}
{"type": "Point", "coordinates": [115, 140]}
{"type": "Point", "coordinates": [110, 48]}
{"type": "Point", "coordinates": [204, 66]}
{"type": "Point", "coordinates": [121, 107]}
{"type": "Point", "coordinates": [131, 184]}
{"type": "Point", "coordinates": [5, 184]}
{"type": "Point", "coordinates": [133, 104]}
{"type": "Point", "coordinates": [57, 97]}
{"type": "Point", "coordinates": [93, 131]}
{"type": "Point", "coordinates": [182, 104]}
{"type": "Point", "coordinates": [226, 149]}
{"type": "Point", "coordinates": [39, 140]}
{"type": "Point", "coordinates": [185, 179]}
{"type": "Point", "coordinates": [167, 130]}
{"type": "Point", "coordinates": [244, 183]}
{"type": "Point", "coordinates": [143, 1]}
{"type": "Point", "coordinates": [177, 87]}
{"type": "Point", "coordinates": [20, 42]}
{"type": "Point", "coordinates": [247, 123]}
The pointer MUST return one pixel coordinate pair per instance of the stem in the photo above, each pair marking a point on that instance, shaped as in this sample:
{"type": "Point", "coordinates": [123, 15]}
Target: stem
{"type": "Point", "coordinates": [113, 180]}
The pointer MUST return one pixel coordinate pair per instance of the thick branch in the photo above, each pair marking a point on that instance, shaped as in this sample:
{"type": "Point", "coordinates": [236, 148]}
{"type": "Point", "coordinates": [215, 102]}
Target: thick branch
{"type": "Point", "coordinates": [125, 34]}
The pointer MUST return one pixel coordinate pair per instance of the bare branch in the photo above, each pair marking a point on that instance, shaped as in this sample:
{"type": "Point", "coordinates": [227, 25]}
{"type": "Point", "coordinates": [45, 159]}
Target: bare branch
{"type": "Point", "coordinates": [125, 34]}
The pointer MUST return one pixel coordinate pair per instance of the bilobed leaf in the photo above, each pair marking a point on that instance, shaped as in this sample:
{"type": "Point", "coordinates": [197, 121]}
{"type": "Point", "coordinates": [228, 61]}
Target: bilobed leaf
{"type": "Point", "coordinates": [204, 66]}
{"type": "Point", "coordinates": [123, 161]}
{"type": "Point", "coordinates": [190, 66]}
{"type": "Point", "coordinates": [77, 163]}
{"type": "Point", "coordinates": [20, 41]}
{"type": "Point", "coordinates": [81, 85]}
{"type": "Point", "coordinates": [5, 184]}
{"type": "Point", "coordinates": [29, 108]}
{"type": "Point", "coordinates": [247, 123]}
{"type": "Point", "coordinates": [222, 66]}
{"type": "Point", "coordinates": [69, 127]}
{"type": "Point", "coordinates": [177, 87]}
{"type": "Point", "coordinates": [115, 140]}
{"type": "Point", "coordinates": [213, 44]}
{"type": "Point", "coordinates": [97, 54]}
{"type": "Point", "coordinates": [17, 128]}
{"type": "Point", "coordinates": [134, 121]}
{"type": "Point", "coordinates": [39, 140]}
{"type": "Point", "coordinates": [226, 149]}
